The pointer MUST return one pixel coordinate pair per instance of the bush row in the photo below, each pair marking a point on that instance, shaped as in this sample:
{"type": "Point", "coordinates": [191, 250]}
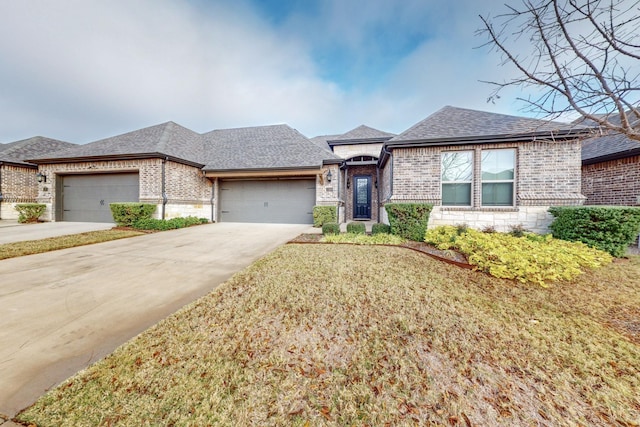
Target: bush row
{"type": "Point", "coordinates": [409, 220]}
{"type": "Point", "coordinates": [324, 214]}
{"type": "Point", "coordinates": [29, 212]}
{"type": "Point", "coordinates": [125, 214]}
{"type": "Point", "coordinates": [168, 224]}
{"type": "Point", "coordinates": [532, 258]}
{"type": "Point", "coordinates": [608, 228]}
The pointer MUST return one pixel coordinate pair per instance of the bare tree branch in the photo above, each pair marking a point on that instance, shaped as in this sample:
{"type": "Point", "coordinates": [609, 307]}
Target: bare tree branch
{"type": "Point", "coordinates": [581, 56]}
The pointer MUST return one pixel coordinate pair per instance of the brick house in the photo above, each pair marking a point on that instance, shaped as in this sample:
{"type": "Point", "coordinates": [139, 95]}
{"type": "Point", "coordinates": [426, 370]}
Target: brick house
{"type": "Point", "coordinates": [479, 168]}
{"type": "Point", "coordinates": [18, 179]}
{"type": "Point", "coordinates": [611, 170]}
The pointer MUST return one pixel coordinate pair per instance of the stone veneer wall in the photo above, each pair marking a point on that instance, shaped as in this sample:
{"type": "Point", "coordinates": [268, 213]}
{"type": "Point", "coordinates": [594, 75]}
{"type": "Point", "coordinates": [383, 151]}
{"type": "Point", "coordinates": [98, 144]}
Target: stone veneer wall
{"type": "Point", "coordinates": [188, 191]}
{"type": "Point", "coordinates": [19, 185]}
{"type": "Point", "coordinates": [352, 150]}
{"type": "Point", "coordinates": [328, 193]}
{"type": "Point", "coordinates": [615, 182]}
{"type": "Point", "coordinates": [547, 174]}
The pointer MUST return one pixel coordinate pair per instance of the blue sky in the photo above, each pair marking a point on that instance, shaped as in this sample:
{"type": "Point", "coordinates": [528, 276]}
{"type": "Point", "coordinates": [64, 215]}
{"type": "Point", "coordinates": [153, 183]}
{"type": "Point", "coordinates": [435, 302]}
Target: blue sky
{"type": "Point", "coordinates": [82, 70]}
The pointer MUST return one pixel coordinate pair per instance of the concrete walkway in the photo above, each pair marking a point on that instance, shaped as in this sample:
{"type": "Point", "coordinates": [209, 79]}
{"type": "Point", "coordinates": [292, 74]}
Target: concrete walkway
{"type": "Point", "coordinates": [63, 310]}
{"type": "Point", "coordinates": [12, 231]}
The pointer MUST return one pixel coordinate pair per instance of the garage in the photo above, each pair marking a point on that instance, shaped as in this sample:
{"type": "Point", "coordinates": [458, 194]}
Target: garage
{"type": "Point", "coordinates": [288, 201]}
{"type": "Point", "coordinates": [86, 198]}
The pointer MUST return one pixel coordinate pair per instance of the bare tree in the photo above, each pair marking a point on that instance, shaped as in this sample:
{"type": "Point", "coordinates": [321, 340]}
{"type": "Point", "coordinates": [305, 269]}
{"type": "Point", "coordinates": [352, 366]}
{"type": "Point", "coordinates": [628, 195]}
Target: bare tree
{"type": "Point", "coordinates": [579, 56]}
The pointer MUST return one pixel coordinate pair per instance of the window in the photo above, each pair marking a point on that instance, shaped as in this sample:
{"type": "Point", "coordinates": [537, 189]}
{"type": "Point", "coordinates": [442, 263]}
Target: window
{"type": "Point", "coordinates": [498, 168]}
{"type": "Point", "coordinates": [457, 178]}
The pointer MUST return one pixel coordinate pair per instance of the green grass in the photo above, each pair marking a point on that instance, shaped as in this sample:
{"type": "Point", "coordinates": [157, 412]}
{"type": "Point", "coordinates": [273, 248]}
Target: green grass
{"type": "Point", "coordinates": [371, 335]}
{"type": "Point", "coordinates": [30, 247]}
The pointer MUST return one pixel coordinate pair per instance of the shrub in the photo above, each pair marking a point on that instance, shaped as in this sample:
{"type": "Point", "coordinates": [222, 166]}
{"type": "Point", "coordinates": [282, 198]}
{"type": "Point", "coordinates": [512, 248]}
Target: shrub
{"type": "Point", "coordinates": [125, 214]}
{"type": "Point", "coordinates": [324, 214]}
{"type": "Point", "coordinates": [409, 220]}
{"type": "Point", "coordinates": [533, 259]}
{"type": "Point", "coordinates": [380, 228]}
{"type": "Point", "coordinates": [608, 228]}
{"type": "Point", "coordinates": [29, 212]}
{"type": "Point", "coordinates": [356, 228]}
{"type": "Point", "coordinates": [363, 239]}
{"type": "Point", "coordinates": [330, 228]}
{"type": "Point", "coordinates": [168, 224]}
{"type": "Point", "coordinates": [517, 230]}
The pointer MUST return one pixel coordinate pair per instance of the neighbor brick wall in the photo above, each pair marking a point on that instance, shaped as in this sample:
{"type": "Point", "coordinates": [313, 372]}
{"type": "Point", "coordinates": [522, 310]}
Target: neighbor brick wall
{"type": "Point", "coordinates": [19, 185]}
{"type": "Point", "coordinates": [616, 182]}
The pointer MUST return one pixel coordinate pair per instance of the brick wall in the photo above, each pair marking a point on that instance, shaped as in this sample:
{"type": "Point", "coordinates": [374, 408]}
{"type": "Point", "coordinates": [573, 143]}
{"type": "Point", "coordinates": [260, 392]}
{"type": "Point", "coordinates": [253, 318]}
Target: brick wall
{"type": "Point", "coordinates": [616, 182]}
{"type": "Point", "coordinates": [19, 185]}
{"type": "Point", "coordinates": [188, 191]}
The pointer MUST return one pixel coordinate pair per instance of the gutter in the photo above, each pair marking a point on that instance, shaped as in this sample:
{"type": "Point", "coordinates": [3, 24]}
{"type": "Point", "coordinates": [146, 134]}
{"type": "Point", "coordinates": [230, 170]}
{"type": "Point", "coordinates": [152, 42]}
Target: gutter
{"type": "Point", "coordinates": [213, 198]}
{"type": "Point", "coordinates": [99, 158]}
{"type": "Point", "coordinates": [164, 193]}
{"type": "Point", "coordinates": [612, 156]}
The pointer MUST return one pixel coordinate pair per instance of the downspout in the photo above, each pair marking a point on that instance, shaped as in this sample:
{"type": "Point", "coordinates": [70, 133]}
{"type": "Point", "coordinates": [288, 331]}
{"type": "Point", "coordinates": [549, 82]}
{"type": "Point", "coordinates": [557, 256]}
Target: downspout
{"type": "Point", "coordinates": [1, 196]}
{"type": "Point", "coordinates": [378, 189]}
{"type": "Point", "coordinates": [164, 193]}
{"type": "Point", "coordinates": [213, 198]}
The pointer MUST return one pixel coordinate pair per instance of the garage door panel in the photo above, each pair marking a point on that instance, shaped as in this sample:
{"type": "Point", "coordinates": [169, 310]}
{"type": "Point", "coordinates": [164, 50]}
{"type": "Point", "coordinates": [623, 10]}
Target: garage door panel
{"type": "Point", "coordinates": [86, 198]}
{"type": "Point", "coordinates": [286, 201]}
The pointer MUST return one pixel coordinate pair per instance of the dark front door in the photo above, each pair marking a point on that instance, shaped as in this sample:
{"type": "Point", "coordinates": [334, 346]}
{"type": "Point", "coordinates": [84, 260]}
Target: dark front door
{"type": "Point", "coordinates": [362, 197]}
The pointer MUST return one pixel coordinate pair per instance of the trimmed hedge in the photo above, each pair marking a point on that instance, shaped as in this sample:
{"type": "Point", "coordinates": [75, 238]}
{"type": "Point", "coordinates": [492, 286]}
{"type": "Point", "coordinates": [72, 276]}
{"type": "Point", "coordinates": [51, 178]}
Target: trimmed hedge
{"type": "Point", "coordinates": [608, 228]}
{"type": "Point", "coordinates": [380, 228]}
{"type": "Point", "coordinates": [330, 228]}
{"type": "Point", "coordinates": [409, 220]}
{"type": "Point", "coordinates": [125, 214]}
{"type": "Point", "coordinates": [324, 214]}
{"type": "Point", "coordinates": [168, 224]}
{"type": "Point", "coordinates": [356, 228]}
{"type": "Point", "coordinates": [29, 212]}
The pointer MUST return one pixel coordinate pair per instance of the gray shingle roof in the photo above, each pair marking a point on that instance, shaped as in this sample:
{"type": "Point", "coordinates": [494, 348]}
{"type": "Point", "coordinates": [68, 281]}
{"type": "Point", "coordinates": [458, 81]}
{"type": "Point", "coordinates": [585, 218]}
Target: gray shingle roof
{"type": "Point", "coordinates": [168, 139]}
{"type": "Point", "coordinates": [608, 147]}
{"type": "Point", "coordinates": [363, 132]}
{"type": "Point", "coordinates": [19, 151]}
{"type": "Point", "coordinates": [321, 140]}
{"type": "Point", "coordinates": [262, 147]}
{"type": "Point", "coordinates": [452, 122]}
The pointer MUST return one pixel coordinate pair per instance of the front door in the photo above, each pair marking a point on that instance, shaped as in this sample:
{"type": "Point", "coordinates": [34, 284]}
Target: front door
{"type": "Point", "coordinates": [362, 197]}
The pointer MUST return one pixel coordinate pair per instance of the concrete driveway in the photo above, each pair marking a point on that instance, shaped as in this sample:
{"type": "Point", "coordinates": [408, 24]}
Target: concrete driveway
{"type": "Point", "coordinates": [63, 310]}
{"type": "Point", "coordinates": [12, 231]}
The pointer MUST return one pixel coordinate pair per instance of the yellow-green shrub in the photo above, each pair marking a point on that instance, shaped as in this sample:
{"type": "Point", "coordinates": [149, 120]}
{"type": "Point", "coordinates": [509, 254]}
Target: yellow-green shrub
{"type": "Point", "coordinates": [364, 239]}
{"type": "Point", "coordinates": [529, 259]}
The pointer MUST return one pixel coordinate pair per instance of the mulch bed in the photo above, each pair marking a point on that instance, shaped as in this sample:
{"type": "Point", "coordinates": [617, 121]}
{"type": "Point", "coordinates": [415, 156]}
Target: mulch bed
{"type": "Point", "coordinates": [451, 257]}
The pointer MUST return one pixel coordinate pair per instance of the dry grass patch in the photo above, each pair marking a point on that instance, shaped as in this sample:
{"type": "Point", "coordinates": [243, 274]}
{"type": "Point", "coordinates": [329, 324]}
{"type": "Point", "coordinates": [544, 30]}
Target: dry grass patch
{"type": "Point", "coordinates": [30, 247]}
{"type": "Point", "coordinates": [334, 335]}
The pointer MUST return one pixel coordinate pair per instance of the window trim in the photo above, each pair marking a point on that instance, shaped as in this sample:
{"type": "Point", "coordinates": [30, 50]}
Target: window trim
{"type": "Point", "coordinates": [471, 182]}
{"type": "Point", "coordinates": [500, 181]}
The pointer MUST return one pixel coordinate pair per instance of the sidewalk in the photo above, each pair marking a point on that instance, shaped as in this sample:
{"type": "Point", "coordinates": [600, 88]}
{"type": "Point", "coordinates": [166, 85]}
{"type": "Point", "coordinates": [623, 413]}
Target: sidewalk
{"type": "Point", "coordinates": [11, 231]}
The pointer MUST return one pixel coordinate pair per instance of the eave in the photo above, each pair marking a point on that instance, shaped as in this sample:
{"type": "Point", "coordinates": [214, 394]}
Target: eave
{"type": "Point", "coordinates": [114, 157]}
{"type": "Point", "coordinates": [613, 156]}
{"type": "Point", "coordinates": [356, 141]}
{"type": "Point", "coordinates": [264, 172]}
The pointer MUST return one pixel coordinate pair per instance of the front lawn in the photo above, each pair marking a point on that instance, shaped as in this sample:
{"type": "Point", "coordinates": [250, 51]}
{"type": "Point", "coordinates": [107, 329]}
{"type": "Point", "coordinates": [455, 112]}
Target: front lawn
{"type": "Point", "coordinates": [370, 335]}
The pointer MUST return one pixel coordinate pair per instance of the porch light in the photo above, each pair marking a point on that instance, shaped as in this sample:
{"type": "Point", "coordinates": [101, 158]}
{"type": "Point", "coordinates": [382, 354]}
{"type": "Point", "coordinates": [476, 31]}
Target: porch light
{"type": "Point", "coordinates": [41, 177]}
{"type": "Point", "coordinates": [329, 176]}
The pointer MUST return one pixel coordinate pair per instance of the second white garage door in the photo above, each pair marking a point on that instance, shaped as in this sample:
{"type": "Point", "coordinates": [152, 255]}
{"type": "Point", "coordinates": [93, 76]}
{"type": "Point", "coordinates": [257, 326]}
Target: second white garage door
{"type": "Point", "coordinates": [269, 201]}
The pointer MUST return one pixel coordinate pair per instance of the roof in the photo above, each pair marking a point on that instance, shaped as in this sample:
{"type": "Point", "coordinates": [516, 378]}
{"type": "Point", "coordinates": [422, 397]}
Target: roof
{"type": "Point", "coordinates": [166, 139]}
{"type": "Point", "coordinates": [321, 140]}
{"type": "Point", "coordinates": [361, 135]}
{"type": "Point", "coordinates": [608, 147]}
{"type": "Point", "coordinates": [452, 123]}
{"type": "Point", "coordinates": [262, 147]}
{"type": "Point", "coordinates": [17, 152]}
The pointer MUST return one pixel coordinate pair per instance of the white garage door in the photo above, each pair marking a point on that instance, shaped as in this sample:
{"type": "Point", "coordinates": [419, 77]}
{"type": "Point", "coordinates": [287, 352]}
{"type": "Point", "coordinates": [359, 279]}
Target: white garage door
{"type": "Point", "coordinates": [268, 201]}
{"type": "Point", "coordinates": [86, 198]}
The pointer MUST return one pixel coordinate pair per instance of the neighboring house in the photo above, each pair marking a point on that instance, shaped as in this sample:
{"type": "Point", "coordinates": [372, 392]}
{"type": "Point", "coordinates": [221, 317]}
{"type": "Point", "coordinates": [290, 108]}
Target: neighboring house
{"type": "Point", "coordinates": [611, 170]}
{"type": "Point", "coordinates": [478, 168]}
{"type": "Point", "coordinates": [18, 181]}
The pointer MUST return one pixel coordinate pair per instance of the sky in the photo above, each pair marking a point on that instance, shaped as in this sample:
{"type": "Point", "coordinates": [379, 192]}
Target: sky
{"type": "Point", "coordinates": [83, 70]}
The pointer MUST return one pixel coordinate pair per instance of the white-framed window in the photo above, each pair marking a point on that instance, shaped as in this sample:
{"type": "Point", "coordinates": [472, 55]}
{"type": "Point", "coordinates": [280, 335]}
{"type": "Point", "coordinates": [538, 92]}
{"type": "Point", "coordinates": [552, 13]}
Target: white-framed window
{"type": "Point", "coordinates": [457, 178]}
{"type": "Point", "coordinates": [498, 177]}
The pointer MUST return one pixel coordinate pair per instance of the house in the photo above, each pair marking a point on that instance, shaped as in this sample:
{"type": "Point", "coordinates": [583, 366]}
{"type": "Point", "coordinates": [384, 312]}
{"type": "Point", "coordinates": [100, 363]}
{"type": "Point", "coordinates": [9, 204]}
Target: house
{"type": "Point", "coordinates": [611, 170]}
{"type": "Point", "coordinates": [478, 168]}
{"type": "Point", "coordinates": [18, 180]}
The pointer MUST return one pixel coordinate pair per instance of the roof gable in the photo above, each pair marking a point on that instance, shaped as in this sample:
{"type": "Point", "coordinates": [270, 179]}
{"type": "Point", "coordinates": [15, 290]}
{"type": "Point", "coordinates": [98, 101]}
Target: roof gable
{"type": "Point", "coordinates": [361, 133]}
{"type": "Point", "coordinates": [452, 122]}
